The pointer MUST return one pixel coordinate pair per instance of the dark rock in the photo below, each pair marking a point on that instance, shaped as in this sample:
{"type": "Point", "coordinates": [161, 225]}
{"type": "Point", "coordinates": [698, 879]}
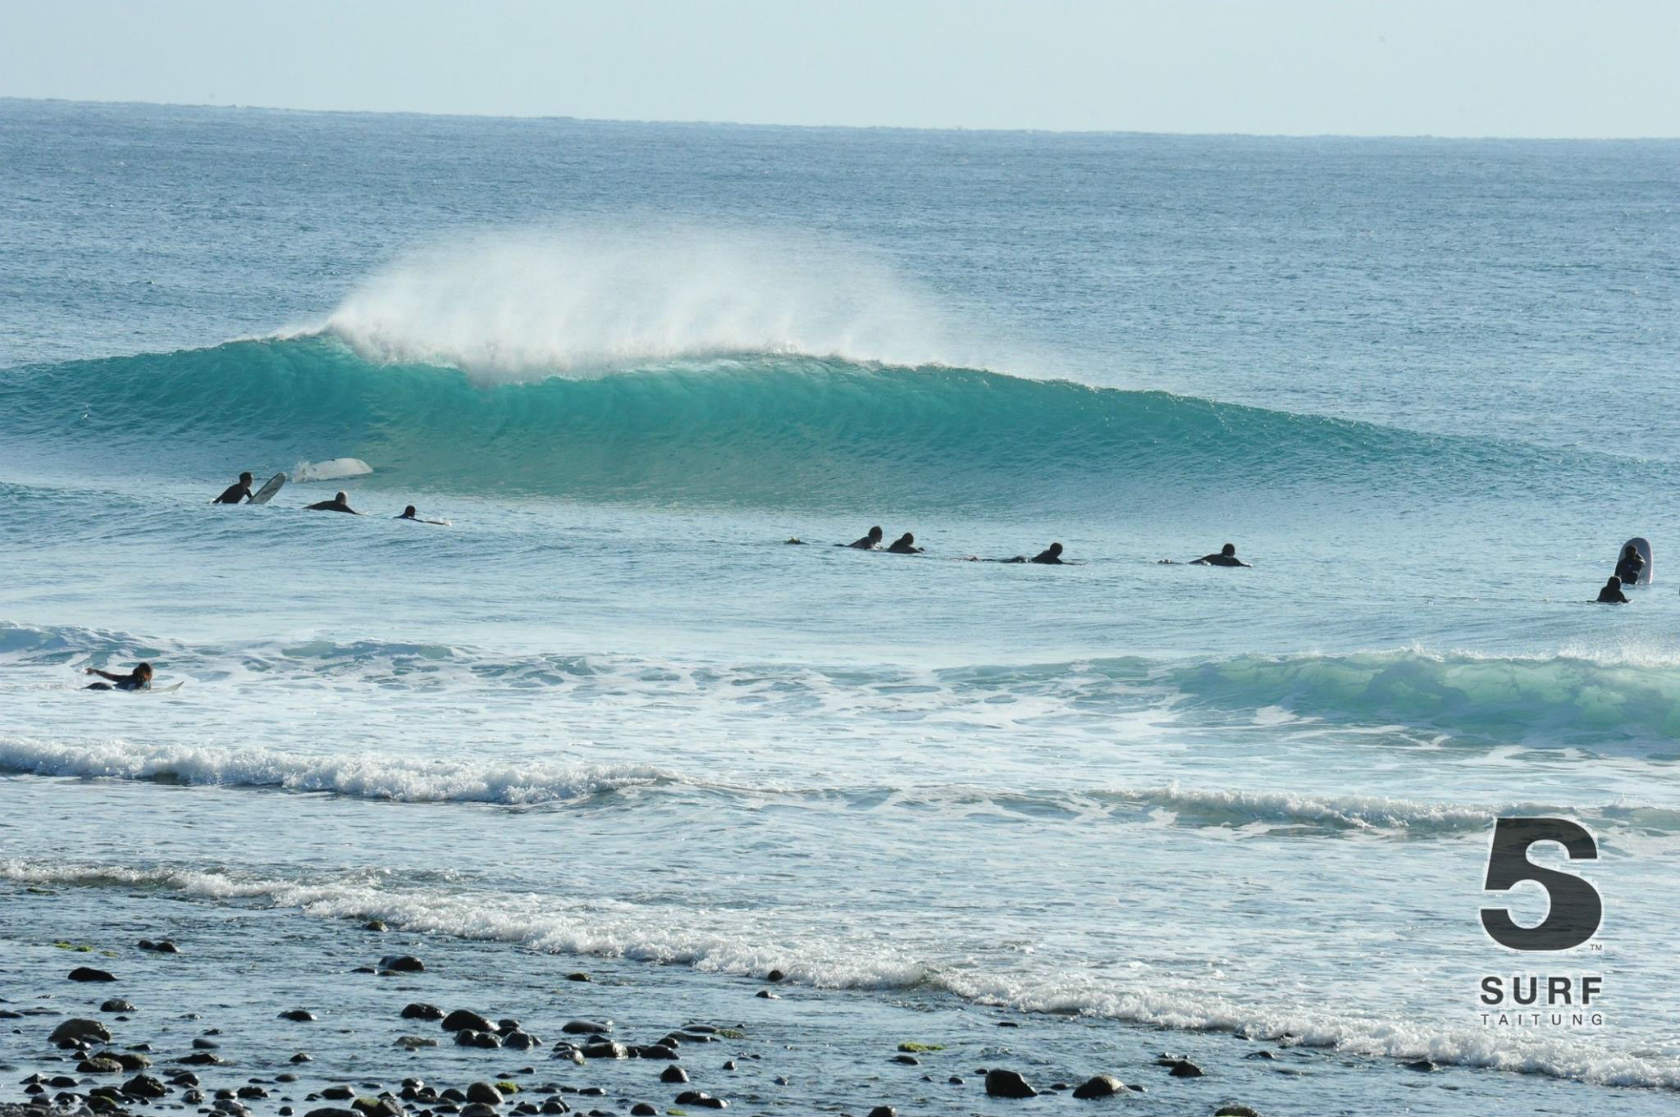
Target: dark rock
{"type": "Point", "coordinates": [338, 1093]}
{"type": "Point", "coordinates": [298, 1015]}
{"type": "Point", "coordinates": [1184, 1068]}
{"type": "Point", "coordinates": [775, 975]}
{"type": "Point", "coordinates": [642, 1109]}
{"type": "Point", "coordinates": [907, 1060]}
{"type": "Point", "coordinates": [521, 1041]}
{"type": "Point", "coordinates": [587, 1027]}
{"type": "Point", "coordinates": [555, 1105]}
{"type": "Point", "coordinates": [484, 1093]}
{"type": "Point", "coordinates": [251, 1092]}
{"type": "Point", "coordinates": [331, 1111]}
{"type": "Point", "coordinates": [375, 925]}
{"type": "Point", "coordinates": [401, 963]}
{"type": "Point", "coordinates": [507, 1024]}
{"type": "Point", "coordinates": [701, 1099]}
{"type": "Point", "coordinates": [673, 1074]}
{"type": "Point", "coordinates": [883, 1111]}
{"type": "Point", "coordinates": [419, 1011]}
{"type": "Point", "coordinates": [134, 1061]}
{"type": "Point", "coordinates": [729, 1065]}
{"type": "Point", "coordinates": [783, 1080]}
{"type": "Point", "coordinates": [202, 1044]}
{"type": "Point", "coordinates": [116, 1004]}
{"type": "Point", "coordinates": [479, 1109]}
{"type": "Point", "coordinates": [577, 975]}
{"type": "Point", "coordinates": [183, 1078]}
{"type": "Point", "coordinates": [144, 1086]}
{"type": "Point", "coordinates": [98, 1065]}
{"type": "Point", "coordinates": [567, 1051]}
{"type": "Point", "coordinates": [1262, 1054]}
{"type": "Point", "coordinates": [80, 1031]}
{"type": "Point", "coordinates": [88, 973]}
{"type": "Point", "coordinates": [1007, 1084]}
{"type": "Point", "coordinates": [605, 1049]}
{"type": "Point", "coordinates": [955, 1080]}
{"type": "Point", "coordinates": [1424, 1065]}
{"type": "Point", "coordinates": [1007, 1024]}
{"type": "Point", "coordinates": [163, 946]}
{"type": "Point", "coordinates": [1102, 1086]}
{"type": "Point", "coordinates": [467, 1037]}
{"type": "Point", "coordinates": [461, 1020]}
{"type": "Point", "coordinates": [200, 1059]}
{"type": "Point", "coordinates": [302, 1057]}
{"type": "Point", "coordinates": [1234, 1111]}
{"type": "Point", "coordinates": [766, 995]}
{"type": "Point", "coordinates": [656, 1051]}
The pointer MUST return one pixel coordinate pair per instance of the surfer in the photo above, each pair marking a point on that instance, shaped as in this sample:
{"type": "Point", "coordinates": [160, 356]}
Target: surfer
{"type": "Point", "coordinates": [408, 513]}
{"type": "Point", "coordinates": [1612, 593]}
{"type": "Point", "coordinates": [339, 503]}
{"type": "Point", "coordinates": [1630, 566]}
{"type": "Point", "coordinates": [905, 545]}
{"type": "Point", "coordinates": [138, 679]}
{"type": "Point", "coordinates": [236, 492]}
{"type": "Point", "coordinates": [1227, 556]}
{"type": "Point", "coordinates": [870, 542]}
{"type": "Point", "coordinates": [1050, 556]}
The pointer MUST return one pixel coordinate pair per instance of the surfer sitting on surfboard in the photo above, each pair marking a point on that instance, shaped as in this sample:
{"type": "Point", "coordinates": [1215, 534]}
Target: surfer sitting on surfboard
{"type": "Point", "coordinates": [1612, 593]}
{"type": "Point", "coordinates": [339, 503]}
{"type": "Point", "coordinates": [138, 679]}
{"type": "Point", "coordinates": [1630, 566]}
{"type": "Point", "coordinates": [237, 492]}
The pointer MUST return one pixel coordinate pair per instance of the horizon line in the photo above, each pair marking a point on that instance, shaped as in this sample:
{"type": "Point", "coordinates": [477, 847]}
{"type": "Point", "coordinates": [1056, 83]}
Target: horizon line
{"type": "Point", "coordinates": [954, 128]}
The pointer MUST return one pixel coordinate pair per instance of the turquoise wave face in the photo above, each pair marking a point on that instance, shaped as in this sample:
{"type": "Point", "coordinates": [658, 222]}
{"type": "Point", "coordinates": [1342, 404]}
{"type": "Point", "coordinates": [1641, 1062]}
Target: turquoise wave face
{"type": "Point", "coordinates": [749, 429]}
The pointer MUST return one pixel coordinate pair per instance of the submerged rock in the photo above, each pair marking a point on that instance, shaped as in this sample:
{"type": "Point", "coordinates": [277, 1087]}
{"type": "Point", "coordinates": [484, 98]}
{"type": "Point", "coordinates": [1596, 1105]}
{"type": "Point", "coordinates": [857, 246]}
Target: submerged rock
{"type": "Point", "coordinates": [80, 1031]}
{"type": "Point", "coordinates": [298, 1015]}
{"type": "Point", "coordinates": [116, 1004]}
{"type": "Point", "coordinates": [420, 1011]}
{"type": "Point", "coordinates": [1100, 1086]}
{"type": "Point", "coordinates": [462, 1020]}
{"type": "Point", "coordinates": [1184, 1068]}
{"type": "Point", "coordinates": [88, 973]}
{"type": "Point", "coordinates": [1008, 1084]}
{"type": "Point", "coordinates": [401, 963]}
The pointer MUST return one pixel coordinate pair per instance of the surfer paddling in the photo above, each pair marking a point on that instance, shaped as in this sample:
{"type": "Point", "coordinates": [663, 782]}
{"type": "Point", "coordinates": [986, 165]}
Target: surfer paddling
{"type": "Point", "coordinates": [870, 542]}
{"type": "Point", "coordinates": [138, 679]}
{"type": "Point", "coordinates": [408, 513]}
{"type": "Point", "coordinates": [236, 493]}
{"type": "Point", "coordinates": [339, 503]}
{"type": "Point", "coordinates": [1227, 556]}
{"type": "Point", "coordinates": [904, 545]}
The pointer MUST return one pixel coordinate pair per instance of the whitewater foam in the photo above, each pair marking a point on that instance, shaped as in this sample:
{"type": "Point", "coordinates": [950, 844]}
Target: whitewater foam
{"type": "Point", "coordinates": [586, 300]}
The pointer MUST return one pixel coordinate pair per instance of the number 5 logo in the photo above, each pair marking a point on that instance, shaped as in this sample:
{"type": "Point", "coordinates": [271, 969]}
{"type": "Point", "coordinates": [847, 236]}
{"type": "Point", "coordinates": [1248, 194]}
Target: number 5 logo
{"type": "Point", "coordinates": [1574, 911]}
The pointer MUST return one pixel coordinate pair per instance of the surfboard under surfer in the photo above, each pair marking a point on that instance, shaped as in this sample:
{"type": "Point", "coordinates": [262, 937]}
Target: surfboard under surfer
{"type": "Point", "coordinates": [236, 493]}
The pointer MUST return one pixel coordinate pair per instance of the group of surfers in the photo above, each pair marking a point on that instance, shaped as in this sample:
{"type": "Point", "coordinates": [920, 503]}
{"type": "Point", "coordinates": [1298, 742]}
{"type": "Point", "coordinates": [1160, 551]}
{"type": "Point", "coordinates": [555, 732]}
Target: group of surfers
{"type": "Point", "coordinates": [1050, 556]}
{"type": "Point", "coordinates": [1629, 568]}
{"type": "Point", "coordinates": [240, 493]}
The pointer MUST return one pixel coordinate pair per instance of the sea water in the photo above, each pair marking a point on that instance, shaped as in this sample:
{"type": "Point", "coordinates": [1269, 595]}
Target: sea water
{"type": "Point", "coordinates": [609, 718]}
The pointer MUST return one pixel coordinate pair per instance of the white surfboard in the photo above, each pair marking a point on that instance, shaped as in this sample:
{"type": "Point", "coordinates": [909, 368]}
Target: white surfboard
{"type": "Point", "coordinates": [270, 487]}
{"type": "Point", "coordinates": [1643, 546]}
{"type": "Point", "coordinates": [172, 687]}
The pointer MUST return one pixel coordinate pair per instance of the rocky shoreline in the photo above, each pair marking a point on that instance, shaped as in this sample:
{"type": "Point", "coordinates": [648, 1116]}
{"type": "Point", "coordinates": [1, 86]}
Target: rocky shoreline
{"type": "Point", "coordinates": [79, 1050]}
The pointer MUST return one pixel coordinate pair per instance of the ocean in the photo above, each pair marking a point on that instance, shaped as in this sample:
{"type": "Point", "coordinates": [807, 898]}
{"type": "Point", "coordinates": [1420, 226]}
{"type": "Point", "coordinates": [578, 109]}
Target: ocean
{"type": "Point", "coordinates": [608, 719]}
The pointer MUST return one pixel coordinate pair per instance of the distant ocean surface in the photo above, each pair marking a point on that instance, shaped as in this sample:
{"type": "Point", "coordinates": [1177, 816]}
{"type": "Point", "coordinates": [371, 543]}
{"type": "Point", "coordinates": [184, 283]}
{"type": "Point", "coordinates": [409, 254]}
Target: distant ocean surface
{"type": "Point", "coordinates": [1426, 387]}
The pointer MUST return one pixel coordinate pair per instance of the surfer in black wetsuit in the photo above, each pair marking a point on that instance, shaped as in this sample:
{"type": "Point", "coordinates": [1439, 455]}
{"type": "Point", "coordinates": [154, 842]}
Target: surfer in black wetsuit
{"type": "Point", "coordinates": [236, 493]}
{"type": "Point", "coordinates": [408, 513]}
{"type": "Point", "coordinates": [1612, 593]}
{"type": "Point", "coordinates": [1227, 556]}
{"type": "Point", "coordinates": [905, 545]}
{"type": "Point", "coordinates": [870, 542]}
{"type": "Point", "coordinates": [138, 679]}
{"type": "Point", "coordinates": [339, 503]}
{"type": "Point", "coordinates": [1050, 556]}
{"type": "Point", "coordinates": [1630, 566]}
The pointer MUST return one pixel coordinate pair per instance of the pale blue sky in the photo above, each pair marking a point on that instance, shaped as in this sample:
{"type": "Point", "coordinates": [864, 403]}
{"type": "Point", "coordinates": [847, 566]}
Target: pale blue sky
{"type": "Point", "coordinates": [1465, 67]}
